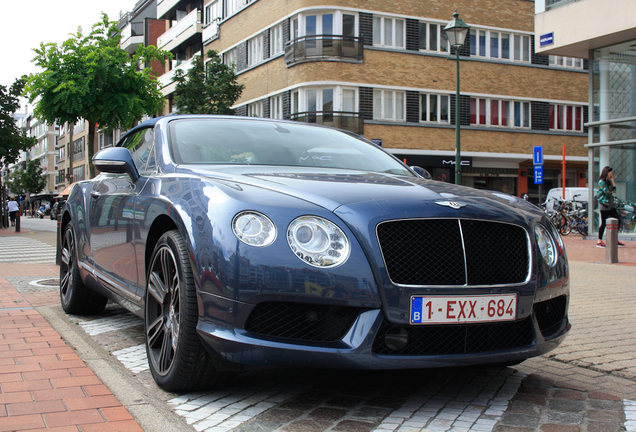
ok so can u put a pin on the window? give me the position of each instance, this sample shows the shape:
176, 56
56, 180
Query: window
434, 108
234, 6
255, 50
499, 113
389, 105
566, 62
276, 107
78, 149
212, 11
433, 38
566, 118
497, 45
276, 40
142, 149
388, 32
229, 58
255, 109
78, 174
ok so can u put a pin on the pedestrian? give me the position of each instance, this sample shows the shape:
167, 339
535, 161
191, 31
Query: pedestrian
13, 208
605, 197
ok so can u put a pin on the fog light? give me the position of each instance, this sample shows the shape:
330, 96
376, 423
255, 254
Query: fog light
396, 339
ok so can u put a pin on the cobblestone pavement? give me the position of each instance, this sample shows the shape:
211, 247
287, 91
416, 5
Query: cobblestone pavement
586, 384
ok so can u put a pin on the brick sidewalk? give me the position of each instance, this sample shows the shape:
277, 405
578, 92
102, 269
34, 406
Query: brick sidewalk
44, 384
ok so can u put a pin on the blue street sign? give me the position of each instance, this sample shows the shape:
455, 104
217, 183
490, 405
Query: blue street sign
538, 174
546, 39
537, 159
377, 141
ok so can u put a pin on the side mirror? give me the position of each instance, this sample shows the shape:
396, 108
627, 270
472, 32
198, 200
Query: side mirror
422, 172
116, 160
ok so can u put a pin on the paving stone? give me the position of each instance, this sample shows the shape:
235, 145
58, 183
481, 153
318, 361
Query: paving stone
593, 426
354, 426
306, 426
327, 414
559, 428
606, 416
520, 420
569, 394
564, 405
603, 396
372, 414
565, 417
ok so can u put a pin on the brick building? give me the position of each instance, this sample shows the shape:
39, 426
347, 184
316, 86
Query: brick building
385, 70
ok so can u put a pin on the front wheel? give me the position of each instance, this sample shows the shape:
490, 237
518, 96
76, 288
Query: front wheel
178, 361
74, 296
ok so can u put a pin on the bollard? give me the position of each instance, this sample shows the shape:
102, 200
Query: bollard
59, 240
17, 221
611, 249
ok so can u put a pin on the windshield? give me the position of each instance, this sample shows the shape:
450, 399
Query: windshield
256, 142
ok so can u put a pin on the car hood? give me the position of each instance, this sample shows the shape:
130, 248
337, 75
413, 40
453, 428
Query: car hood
385, 193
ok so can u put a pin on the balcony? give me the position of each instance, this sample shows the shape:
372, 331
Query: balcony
132, 35
349, 121
323, 48
184, 29
166, 80
164, 7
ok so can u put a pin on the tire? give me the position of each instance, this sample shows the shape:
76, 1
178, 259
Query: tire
74, 296
565, 227
178, 361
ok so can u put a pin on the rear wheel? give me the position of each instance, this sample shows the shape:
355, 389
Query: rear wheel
75, 297
178, 361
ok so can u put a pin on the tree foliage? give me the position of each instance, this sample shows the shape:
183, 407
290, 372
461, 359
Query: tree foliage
32, 180
91, 77
33, 177
207, 88
12, 139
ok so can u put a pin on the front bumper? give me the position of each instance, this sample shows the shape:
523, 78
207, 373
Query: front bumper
371, 342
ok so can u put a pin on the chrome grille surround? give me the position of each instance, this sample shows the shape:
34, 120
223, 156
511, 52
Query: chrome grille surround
455, 252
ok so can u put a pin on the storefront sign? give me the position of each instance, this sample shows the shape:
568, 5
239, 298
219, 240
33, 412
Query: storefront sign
546, 39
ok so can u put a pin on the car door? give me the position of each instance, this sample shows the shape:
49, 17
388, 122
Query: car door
113, 230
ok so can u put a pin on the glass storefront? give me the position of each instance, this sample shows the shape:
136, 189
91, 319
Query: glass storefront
613, 128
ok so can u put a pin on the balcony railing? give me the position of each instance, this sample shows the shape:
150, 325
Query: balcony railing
191, 23
551, 4
323, 47
350, 121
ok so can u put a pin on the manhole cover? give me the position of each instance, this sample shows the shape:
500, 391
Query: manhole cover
55, 282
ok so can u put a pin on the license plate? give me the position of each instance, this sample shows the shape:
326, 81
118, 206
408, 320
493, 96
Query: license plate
463, 309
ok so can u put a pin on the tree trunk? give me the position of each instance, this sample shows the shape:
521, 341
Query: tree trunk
69, 155
91, 148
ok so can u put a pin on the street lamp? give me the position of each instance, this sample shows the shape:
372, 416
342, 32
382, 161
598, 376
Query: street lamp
456, 31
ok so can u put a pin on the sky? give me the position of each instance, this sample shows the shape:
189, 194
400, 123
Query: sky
24, 25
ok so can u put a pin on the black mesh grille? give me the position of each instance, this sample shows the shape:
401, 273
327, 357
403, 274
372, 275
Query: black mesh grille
550, 312
452, 338
299, 321
431, 252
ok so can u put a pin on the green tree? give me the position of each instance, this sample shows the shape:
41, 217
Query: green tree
15, 183
92, 78
33, 178
207, 88
12, 138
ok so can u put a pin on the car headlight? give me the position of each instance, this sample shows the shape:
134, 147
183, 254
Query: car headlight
546, 245
254, 229
318, 241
